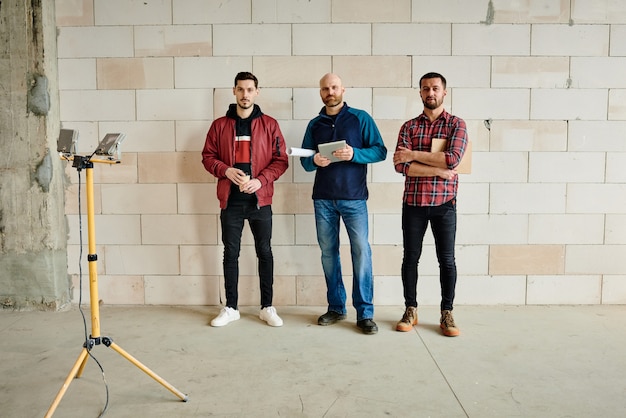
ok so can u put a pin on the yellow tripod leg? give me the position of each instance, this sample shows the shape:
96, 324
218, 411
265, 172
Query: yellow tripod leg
147, 371
80, 363
82, 367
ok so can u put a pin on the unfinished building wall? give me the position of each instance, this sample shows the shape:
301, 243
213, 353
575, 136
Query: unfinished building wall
33, 230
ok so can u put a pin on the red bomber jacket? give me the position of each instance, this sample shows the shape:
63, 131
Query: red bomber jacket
268, 155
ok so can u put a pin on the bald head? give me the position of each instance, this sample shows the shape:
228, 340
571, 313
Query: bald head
331, 92
330, 78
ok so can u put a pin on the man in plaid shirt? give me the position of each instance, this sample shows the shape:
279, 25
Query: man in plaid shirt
430, 189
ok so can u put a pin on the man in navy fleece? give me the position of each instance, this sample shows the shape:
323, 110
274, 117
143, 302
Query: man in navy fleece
340, 192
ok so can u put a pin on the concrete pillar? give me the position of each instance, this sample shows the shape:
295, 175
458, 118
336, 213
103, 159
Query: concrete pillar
33, 230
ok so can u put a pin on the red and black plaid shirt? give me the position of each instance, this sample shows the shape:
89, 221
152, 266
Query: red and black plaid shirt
417, 134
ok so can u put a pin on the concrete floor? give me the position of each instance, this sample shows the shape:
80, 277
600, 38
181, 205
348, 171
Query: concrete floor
527, 361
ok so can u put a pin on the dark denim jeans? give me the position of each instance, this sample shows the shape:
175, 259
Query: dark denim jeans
328, 214
260, 221
442, 220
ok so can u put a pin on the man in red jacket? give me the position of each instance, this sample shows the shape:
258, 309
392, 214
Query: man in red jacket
245, 151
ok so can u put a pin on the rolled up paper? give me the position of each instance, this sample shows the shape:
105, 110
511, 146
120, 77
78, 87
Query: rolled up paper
300, 152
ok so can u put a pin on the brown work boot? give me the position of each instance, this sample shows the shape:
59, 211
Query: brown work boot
408, 319
447, 324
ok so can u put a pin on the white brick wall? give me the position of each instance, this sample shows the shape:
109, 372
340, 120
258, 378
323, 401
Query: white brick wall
97, 105
477, 39
531, 72
618, 40
581, 289
142, 136
573, 41
520, 135
332, 39
573, 167
569, 104
507, 198
542, 216
617, 104
589, 11
77, 74
491, 103
371, 11
208, 11
251, 39
453, 11
583, 69
173, 41
411, 39
616, 229
95, 42
174, 104
566, 229
289, 11
107, 12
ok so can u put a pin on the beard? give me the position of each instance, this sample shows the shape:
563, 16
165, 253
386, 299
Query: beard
432, 104
332, 101
245, 105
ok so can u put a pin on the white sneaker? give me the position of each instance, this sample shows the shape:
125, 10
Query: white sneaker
270, 316
226, 316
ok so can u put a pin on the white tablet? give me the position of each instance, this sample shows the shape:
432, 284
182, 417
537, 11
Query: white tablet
327, 149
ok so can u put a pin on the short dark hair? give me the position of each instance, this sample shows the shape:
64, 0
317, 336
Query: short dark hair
245, 75
434, 75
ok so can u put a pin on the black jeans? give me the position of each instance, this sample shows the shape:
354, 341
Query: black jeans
260, 221
442, 220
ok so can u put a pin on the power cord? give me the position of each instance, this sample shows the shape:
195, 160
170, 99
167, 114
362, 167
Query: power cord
88, 344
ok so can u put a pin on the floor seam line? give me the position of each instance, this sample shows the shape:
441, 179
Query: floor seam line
443, 375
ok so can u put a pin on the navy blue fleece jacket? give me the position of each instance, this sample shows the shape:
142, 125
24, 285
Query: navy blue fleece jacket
344, 180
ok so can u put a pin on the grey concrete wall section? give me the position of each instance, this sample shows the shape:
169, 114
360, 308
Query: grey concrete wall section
31, 285
33, 230
38, 97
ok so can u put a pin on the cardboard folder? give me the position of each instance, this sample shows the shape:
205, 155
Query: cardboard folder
465, 166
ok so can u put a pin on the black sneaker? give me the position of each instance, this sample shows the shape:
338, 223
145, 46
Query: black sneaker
330, 318
368, 326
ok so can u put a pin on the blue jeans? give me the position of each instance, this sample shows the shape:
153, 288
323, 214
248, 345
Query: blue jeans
354, 215
260, 221
443, 224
